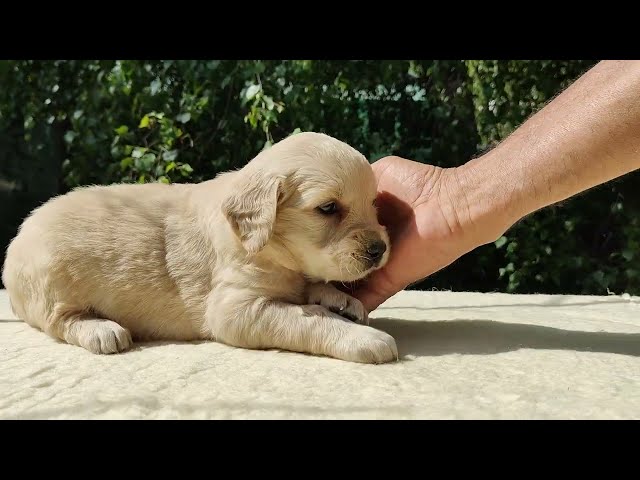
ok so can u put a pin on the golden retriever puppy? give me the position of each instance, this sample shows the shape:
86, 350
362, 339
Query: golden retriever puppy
245, 259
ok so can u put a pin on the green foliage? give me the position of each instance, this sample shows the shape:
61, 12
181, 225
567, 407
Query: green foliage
70, 123
585, 245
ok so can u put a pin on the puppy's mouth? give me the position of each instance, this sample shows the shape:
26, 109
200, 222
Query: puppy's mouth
358, 266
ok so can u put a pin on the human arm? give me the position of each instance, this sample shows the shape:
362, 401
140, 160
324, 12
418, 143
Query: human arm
586, 136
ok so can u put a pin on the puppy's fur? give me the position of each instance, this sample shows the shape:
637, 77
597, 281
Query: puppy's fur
244, 259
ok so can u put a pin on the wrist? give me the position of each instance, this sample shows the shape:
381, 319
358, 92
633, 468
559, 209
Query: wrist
489, 199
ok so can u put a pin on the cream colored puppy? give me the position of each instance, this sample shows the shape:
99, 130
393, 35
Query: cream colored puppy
244, 259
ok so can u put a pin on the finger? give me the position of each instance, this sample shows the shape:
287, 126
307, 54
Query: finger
375, 291
370, 300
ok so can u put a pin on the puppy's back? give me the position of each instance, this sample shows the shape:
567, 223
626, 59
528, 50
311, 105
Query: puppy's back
101, 248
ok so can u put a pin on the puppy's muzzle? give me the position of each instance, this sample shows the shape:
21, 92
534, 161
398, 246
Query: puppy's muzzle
375, 251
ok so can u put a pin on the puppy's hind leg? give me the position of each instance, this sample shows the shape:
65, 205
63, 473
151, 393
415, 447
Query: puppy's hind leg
98, 335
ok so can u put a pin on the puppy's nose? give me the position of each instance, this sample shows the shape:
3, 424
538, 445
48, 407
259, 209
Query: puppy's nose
375, 250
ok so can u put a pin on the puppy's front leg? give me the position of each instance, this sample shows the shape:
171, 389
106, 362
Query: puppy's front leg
332, 299
267, 324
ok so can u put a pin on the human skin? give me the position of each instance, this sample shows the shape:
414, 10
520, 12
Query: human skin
586, 136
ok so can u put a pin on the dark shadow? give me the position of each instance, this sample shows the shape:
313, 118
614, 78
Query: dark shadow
486, 337
558, 301
472, 337
139, 345
549, 303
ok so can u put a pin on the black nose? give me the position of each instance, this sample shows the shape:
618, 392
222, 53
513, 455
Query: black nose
376, 249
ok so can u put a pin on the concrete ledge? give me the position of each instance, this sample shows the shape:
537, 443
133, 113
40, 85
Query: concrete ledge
464, 356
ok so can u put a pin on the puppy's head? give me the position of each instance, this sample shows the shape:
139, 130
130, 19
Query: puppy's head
310, 198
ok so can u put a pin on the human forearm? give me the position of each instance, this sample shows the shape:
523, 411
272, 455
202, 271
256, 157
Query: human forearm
588, 135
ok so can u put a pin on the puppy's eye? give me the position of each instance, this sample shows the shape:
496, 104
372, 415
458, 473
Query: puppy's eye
328, 208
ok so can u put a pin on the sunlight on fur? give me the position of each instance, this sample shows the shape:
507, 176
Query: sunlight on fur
246, 259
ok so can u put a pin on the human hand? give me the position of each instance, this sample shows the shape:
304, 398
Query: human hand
425, 211
435, 215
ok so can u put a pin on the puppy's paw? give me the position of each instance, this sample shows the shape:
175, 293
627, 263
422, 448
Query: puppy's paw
104, 337
367, 345
338, 302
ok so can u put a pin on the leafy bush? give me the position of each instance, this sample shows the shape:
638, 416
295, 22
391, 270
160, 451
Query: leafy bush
69, 123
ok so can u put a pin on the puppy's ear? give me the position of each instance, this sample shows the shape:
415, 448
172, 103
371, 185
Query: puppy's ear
251, 210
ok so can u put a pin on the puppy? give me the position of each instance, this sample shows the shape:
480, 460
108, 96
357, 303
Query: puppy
245, 259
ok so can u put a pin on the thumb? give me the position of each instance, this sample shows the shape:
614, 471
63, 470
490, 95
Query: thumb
376, 290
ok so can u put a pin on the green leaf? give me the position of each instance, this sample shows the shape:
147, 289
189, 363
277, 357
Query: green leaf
122, 130
145, 162
252, 91
184, 117
144, 123
155, 86
269, 102
500, 242
138, 152
163, 179
148, 158
170, 166
126, 162
170, 155
70, 136
186, 169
